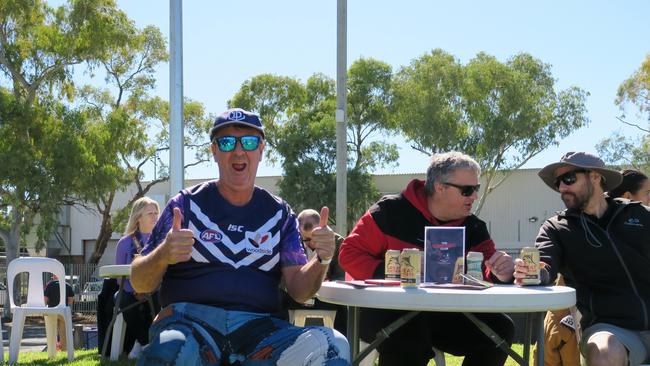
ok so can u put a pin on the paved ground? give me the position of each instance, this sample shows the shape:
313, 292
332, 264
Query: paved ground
33, 340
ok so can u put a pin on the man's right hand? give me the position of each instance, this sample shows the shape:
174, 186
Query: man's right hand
521, 270
179, 242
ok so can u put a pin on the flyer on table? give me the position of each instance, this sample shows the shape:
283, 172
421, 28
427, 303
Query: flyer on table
444, 254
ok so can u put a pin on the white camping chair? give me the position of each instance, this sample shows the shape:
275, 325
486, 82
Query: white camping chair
35, 305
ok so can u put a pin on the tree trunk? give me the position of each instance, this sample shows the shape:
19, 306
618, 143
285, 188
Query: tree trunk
104, 236
12, 246
105, 231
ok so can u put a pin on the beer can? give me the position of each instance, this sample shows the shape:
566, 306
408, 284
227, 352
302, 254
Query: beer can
474, 261
530, 256
410, 267
392, 268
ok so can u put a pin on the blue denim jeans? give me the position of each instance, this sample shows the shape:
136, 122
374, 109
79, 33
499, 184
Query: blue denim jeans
193, 334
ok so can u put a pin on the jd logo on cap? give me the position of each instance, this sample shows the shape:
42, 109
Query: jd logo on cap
236, 116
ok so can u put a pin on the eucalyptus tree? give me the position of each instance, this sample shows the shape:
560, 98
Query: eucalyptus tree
502, 114
624, 150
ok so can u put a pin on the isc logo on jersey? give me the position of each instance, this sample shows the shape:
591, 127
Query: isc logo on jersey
256, 240
211, 236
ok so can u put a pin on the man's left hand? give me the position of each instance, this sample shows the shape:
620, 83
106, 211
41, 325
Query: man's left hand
322, 238
501, 265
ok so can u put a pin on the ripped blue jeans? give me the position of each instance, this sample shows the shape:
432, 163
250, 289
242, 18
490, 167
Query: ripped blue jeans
200, 335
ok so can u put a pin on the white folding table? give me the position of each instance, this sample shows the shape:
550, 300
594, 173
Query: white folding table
532, 300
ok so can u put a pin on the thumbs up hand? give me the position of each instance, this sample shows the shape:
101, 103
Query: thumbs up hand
322, 238
179, 241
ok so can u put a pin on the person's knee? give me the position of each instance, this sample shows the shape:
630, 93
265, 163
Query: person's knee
340, 343
176, 346
317, 346
603, 349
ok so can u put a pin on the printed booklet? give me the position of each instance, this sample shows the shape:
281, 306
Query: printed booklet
444, 254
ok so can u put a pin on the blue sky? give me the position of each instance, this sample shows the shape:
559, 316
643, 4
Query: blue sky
592, 44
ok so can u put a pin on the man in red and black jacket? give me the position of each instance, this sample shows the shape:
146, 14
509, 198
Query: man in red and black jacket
397, 222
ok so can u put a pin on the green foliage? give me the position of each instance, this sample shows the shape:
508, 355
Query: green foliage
368, 98
42, 148
40, 44
502, 114
426, 103
636, 89
130, 128
626, 151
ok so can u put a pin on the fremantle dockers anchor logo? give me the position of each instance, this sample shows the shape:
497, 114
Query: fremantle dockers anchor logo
236, 116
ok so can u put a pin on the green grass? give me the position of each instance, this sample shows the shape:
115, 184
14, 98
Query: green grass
91, 357
451, 360
81, 358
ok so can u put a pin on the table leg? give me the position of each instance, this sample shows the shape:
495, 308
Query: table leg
528, 323
353, 331
384, 333
496, 339
540, 339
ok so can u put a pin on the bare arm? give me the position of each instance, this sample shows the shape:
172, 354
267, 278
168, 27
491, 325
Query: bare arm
147, 271
303, 281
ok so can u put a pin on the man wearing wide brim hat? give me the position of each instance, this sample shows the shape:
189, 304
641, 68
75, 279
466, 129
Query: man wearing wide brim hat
602, 248
581, 160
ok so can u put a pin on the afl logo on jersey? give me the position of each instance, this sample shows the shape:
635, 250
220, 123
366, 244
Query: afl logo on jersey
210, 235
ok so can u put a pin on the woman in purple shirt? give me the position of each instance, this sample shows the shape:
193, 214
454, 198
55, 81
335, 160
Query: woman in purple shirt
144, 215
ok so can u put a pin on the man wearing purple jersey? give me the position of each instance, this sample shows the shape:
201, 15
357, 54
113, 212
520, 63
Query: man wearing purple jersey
218, 254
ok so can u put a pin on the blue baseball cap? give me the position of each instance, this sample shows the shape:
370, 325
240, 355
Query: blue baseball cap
237, 116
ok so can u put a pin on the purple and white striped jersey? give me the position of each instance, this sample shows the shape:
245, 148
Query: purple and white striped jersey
238, 250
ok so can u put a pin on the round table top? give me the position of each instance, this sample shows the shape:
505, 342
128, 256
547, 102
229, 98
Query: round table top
499, 298
115, 270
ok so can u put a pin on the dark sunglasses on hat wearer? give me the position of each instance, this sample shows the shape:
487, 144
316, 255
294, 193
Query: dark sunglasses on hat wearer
569, 177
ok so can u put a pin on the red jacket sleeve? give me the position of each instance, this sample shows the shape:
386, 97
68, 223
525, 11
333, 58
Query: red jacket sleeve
363, 250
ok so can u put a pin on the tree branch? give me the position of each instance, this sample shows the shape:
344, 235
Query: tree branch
633, 125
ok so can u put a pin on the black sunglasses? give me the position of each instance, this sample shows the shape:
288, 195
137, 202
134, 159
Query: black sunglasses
465, 191
569, 177
228, 143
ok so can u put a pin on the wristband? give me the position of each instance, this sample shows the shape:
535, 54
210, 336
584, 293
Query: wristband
323, 261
